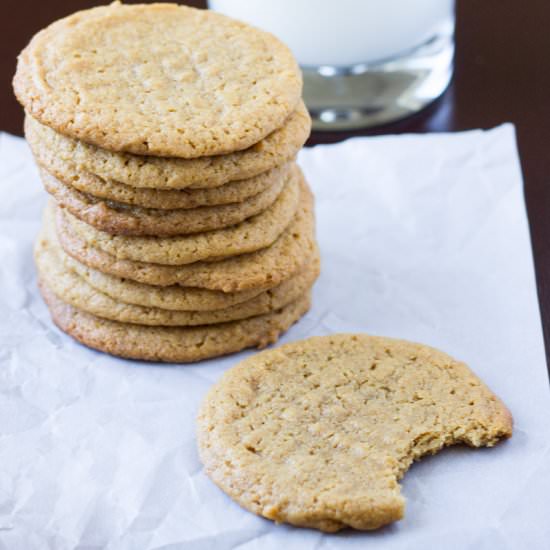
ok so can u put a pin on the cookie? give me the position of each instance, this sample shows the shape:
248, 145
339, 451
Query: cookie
172, 344
172, 297
158, 79
250, 235
259, 270
68, 286
125, 290
54, 151
317, 433
233, 192
120, 219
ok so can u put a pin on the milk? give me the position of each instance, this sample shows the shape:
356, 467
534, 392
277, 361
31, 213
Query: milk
344, 32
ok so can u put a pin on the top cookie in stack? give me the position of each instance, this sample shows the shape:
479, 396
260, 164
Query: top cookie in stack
181, 228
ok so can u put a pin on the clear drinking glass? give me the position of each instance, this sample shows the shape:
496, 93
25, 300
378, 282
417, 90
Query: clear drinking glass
365, 62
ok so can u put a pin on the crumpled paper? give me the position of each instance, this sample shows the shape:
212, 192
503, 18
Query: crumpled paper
422, 237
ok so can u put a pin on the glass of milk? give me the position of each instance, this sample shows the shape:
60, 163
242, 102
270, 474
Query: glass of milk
365, 62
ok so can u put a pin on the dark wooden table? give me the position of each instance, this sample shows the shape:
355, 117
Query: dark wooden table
501, 75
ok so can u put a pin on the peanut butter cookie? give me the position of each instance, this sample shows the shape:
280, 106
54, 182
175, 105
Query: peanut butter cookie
158, 79
318, 432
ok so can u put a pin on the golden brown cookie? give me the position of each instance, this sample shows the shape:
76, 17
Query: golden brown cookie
172, 344
62, 156
121, 219
174, 297
69, 286
161, 199
318, 432
158, 79
250, 235
259, 270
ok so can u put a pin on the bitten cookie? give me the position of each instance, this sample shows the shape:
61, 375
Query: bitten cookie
317, 433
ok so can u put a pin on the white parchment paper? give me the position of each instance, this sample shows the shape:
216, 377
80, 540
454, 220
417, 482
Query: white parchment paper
422, 237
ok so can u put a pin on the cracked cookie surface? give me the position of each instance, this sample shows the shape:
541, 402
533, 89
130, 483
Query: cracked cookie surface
318, 432
158, 79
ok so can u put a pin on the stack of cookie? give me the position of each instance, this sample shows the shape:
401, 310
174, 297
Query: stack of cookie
180, 226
